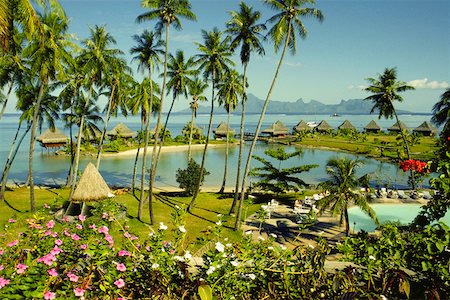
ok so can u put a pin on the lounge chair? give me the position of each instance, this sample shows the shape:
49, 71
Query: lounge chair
426, 195
402, 195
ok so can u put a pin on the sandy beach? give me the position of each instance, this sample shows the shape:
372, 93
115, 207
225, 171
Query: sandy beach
176, 148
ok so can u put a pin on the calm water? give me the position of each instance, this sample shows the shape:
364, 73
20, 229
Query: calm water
51, 169
404, 213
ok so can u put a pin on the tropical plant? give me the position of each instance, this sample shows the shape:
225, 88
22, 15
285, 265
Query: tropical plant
196, 89
245, 31
166, 13
214, 61
343, 190
385, 91
441, 117
189, 178
287, 26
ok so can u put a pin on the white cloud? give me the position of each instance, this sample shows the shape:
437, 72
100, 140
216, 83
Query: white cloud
426, 84
293, 64
357, 87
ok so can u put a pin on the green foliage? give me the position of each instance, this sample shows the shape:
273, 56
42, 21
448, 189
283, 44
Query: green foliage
189, 178
279, 180
113, 146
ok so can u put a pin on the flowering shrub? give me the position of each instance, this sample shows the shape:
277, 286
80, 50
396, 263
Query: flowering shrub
417, 166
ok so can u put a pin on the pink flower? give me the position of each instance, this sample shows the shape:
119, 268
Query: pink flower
21, 268
1, 267
56, 250
58, 242
81, 218
120, 298
49, 295
47, 232
50, 224
47, 259
46, 206
13, 243
104, 215
66, 232
124, 253
109, 239
148, 248
52, 272
72, 277
127, 234
119, 283
92, 226
121, 267
66, 219
1, 251
3, 282
54, 234
83, 247
75, 237
79, 292
103, 229
12, 221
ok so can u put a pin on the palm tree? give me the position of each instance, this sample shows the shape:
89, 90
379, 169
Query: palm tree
230, 89
214, 61
148, 51
167, 13
441, 114
48, 54
283, 33
244, 30
385, 91
196, 89
343, 190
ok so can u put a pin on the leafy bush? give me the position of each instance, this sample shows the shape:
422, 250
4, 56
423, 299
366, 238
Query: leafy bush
188, 178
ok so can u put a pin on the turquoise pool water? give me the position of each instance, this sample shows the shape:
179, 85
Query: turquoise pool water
404, 213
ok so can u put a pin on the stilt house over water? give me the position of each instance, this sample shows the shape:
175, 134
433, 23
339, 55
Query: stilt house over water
277, 129
347, 126
121, 130
426, 129
52, 138
302, 126
222, 130
397, 128
324, 127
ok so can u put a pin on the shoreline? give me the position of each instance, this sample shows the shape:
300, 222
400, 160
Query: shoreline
173, 148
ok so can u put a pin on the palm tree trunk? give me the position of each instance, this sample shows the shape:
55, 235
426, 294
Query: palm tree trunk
72, 156
258, 127
102, 137
157, 129
136, 158
202, 166
11, 156
32, 143
164, 135
190, 136
241, 144
225, 171
408, 154
8, 94
347, 224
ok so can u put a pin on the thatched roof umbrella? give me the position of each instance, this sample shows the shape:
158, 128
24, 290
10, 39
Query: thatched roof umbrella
302, 126
121, 130
276, 129
91, 186
426, 129
324, 126
396, 128
222, 130
372, 127
52, 138
346, 125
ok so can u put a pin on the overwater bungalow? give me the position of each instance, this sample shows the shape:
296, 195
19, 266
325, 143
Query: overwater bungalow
222, 130
324, 127
347, 126
277, 129
52, 138
302, 126
426, 129
372, 127
396, 128
121, 130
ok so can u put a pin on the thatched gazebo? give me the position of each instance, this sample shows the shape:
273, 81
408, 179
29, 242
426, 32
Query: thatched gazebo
52, 138
121, 130
324, 127
301, 127
372, 127
222, 130
397, 128
347, 126
277, 129
426, 129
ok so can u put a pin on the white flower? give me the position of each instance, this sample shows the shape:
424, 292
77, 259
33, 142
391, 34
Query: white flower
251, 276
229, 245
273, 235
261, 238
182, 229
372, 257
218, 223
283, 247
187, 255
310, 246
248, 232
155, 266
220, 247
162, 226
177, 207
383, 297
270, 248
179, 258
234, 263
219, 215
210, 270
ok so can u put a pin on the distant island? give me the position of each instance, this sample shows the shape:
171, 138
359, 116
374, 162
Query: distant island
254, 106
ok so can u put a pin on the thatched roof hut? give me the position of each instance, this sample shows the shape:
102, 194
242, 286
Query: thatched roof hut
276, 129
91, 186
346, 125
426, 129
372, 127
52, 138
222, 130
121, 130
396, 127
302, 126
324, 127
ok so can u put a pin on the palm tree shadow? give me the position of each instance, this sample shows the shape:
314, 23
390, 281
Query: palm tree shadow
10, 206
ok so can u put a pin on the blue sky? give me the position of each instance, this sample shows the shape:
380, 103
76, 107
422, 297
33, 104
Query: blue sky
358, 39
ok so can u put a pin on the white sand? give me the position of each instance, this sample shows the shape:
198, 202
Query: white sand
133, 152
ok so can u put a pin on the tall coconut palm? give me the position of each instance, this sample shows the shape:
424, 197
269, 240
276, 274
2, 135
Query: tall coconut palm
385, 91
148, 51
287, 25
230, 90
214, 60
166, 13
343, 188
48, 53
245, 31
196, 89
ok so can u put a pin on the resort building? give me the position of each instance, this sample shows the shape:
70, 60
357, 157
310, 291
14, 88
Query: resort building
372, 127
277, 129
121, 130
346, 126
222, 130
426, 129
396, 127
52, 138
302, 126
324, 127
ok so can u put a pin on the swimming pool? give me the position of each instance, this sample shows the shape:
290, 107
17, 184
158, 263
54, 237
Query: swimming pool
404, 213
